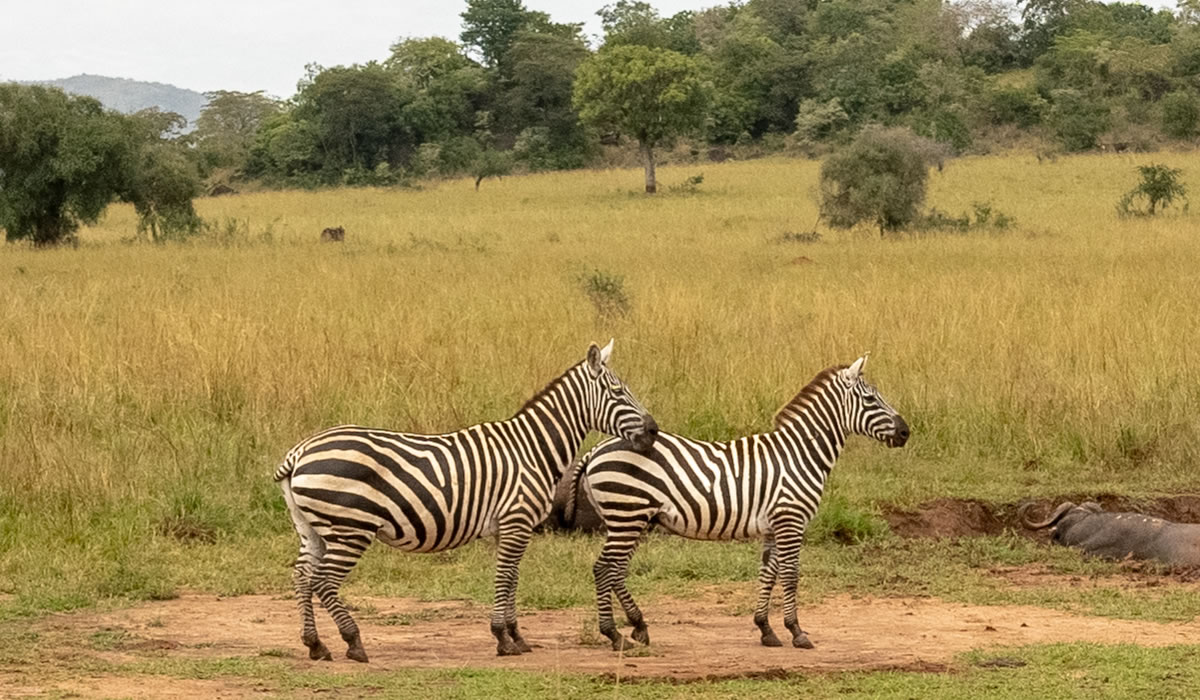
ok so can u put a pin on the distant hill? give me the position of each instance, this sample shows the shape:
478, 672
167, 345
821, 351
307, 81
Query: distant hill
125, 95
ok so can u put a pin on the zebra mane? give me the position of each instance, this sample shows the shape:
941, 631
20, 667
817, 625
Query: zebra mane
811, 389
547, 389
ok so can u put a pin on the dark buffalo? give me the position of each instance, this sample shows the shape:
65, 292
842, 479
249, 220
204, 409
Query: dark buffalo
1120, 535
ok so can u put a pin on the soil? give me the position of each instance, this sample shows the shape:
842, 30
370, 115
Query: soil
692, 639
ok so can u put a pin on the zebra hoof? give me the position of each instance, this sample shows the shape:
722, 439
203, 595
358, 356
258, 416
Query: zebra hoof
623, 644
800, 641
641, 635
357, 654
319, 652
507, 648
522, 645
770, 640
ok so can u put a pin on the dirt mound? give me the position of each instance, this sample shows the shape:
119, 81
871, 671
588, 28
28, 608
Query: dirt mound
950, 517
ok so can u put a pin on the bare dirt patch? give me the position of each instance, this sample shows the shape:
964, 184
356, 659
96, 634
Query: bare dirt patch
851, 633
952, 517
1144, 578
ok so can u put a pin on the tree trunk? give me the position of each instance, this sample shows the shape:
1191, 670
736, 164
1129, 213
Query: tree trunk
648, 161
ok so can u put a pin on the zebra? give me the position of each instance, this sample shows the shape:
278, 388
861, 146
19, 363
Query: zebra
764, 486
349, 485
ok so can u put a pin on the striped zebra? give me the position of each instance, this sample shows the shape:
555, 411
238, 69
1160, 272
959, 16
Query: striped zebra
349, 485
761, 486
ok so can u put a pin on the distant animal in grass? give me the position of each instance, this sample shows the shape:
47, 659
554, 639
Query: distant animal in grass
1120, 535
333, 235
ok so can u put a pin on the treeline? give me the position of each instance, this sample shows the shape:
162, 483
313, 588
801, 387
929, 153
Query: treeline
519, 90
803, 72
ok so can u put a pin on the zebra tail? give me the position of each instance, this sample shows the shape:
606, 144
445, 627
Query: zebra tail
566, 516
288, 465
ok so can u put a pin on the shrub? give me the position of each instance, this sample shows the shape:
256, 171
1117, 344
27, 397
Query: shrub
606, 292
987, 218
1159, 188
1180, 114
1078, 120
688, 186
1021, 107
880, 177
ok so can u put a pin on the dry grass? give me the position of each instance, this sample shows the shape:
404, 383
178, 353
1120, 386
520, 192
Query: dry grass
148, 390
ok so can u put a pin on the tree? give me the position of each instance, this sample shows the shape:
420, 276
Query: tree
62, 160
447, 88
491, 26
355, 114
1160, 186
537, 95
652, 95
491, 163
162, 177
880, 177
226, 127
634, 22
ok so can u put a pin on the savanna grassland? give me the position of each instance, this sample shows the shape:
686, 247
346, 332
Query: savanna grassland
147, 392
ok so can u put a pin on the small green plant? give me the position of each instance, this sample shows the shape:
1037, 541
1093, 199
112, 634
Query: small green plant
688, 186
108, 638
839, 521
275, 652
986, 218
606, 292
1159, 188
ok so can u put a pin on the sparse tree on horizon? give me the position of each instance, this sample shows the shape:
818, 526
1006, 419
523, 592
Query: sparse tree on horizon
650, 95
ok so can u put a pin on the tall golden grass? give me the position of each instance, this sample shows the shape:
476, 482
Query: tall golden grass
156, 386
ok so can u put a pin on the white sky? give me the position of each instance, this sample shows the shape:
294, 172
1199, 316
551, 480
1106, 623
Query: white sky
237, 45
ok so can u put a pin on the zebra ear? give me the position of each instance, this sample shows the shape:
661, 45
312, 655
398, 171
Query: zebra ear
594, 359
854, 371
606, 351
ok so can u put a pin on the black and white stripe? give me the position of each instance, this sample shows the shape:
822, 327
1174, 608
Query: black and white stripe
349, 485
764, 486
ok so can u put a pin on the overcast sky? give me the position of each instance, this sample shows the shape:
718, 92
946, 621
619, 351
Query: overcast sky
236, 45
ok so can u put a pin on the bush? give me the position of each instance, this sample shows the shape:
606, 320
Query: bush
1159, 188
606, 292
1006, 105
1180, 114
987, 218
944, 126
1078, 120
880, 177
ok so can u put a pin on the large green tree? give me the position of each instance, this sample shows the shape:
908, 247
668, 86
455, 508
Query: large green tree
226, 127
651, 95
62, 160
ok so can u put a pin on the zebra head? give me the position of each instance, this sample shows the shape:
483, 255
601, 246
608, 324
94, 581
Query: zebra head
865, 412
613, 408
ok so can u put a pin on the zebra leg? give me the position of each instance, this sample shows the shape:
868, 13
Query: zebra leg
610, 570
514, 538
767, 574
633, 613
312, 549
341, 554
789, 572
302, 583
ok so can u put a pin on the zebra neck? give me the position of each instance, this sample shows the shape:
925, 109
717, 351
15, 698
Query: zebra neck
552, 425
818, 437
